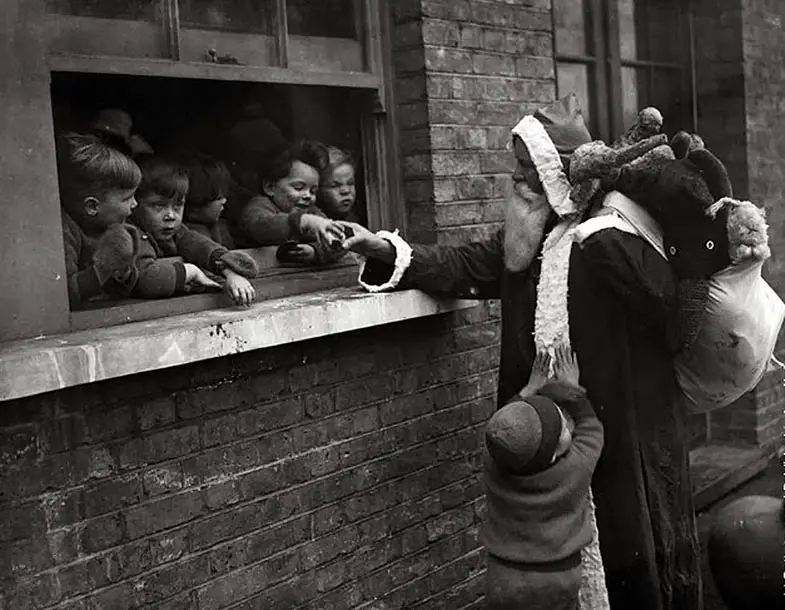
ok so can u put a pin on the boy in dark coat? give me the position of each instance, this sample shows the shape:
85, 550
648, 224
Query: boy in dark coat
538, 471
161, 197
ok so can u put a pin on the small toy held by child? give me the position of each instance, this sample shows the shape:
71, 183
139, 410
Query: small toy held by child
538, 470
161, 197
337, 189
210, 185
287, 211
97, 186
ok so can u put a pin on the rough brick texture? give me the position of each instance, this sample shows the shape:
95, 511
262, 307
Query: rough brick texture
469, 70
764, 79
338, 473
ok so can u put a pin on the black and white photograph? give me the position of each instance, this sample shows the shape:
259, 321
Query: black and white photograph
392, 305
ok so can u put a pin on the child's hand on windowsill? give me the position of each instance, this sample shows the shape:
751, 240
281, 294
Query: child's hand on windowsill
238, 288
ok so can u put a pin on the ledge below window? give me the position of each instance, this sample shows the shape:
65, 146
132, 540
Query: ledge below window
35, 366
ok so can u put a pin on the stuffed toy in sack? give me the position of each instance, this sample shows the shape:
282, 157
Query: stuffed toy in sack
728, 317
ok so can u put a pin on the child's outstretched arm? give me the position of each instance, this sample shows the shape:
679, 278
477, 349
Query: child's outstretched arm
566, 390
539, 375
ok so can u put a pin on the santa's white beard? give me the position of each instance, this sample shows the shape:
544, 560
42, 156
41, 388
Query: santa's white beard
525, 217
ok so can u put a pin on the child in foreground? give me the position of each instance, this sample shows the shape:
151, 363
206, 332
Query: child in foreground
97, 186
538, 470
161, 198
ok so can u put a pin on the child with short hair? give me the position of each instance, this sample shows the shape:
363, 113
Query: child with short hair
210, 185
286, 211
337, 189
538, 470
161, 198
97, 186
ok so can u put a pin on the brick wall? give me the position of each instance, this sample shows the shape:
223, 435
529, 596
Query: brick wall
764, 78
468, 70
338, 473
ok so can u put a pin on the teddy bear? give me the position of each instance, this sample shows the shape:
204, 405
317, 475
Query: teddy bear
728, 317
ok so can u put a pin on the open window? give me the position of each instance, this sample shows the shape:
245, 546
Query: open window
186, 70
619, 56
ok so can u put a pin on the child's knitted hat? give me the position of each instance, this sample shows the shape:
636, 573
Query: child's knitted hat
523, 435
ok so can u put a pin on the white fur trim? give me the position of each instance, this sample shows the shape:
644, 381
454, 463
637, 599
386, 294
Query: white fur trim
633, 220
403, 258
551, 328
551, 319
636, 215
548, 163
600, 223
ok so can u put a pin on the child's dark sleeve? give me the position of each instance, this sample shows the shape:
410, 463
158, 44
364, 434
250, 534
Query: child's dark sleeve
588, 437
83, 283
157, 278
199, 249
266, 225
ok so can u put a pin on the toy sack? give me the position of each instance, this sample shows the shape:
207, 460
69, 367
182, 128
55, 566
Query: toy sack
736, 341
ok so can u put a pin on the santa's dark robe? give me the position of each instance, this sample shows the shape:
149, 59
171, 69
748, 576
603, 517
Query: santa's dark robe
621, 296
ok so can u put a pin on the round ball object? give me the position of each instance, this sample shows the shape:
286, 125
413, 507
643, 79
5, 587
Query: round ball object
746, 549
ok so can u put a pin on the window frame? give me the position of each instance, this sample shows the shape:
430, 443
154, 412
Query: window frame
39, 308
605, 80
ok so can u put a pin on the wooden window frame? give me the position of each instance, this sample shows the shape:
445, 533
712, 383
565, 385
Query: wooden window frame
51, 313
605, 82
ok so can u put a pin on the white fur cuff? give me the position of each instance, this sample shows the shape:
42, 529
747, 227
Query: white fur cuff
403, 258
548, 163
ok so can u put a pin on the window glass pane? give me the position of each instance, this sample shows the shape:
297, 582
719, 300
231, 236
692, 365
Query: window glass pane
668, 95
666, 30
126, 28
576, 78
256, 16
136, 10
228, 31
325, 35
633, 93
650, 30
571, 27
630, 34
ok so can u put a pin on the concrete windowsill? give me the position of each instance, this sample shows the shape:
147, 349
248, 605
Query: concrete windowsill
35, 366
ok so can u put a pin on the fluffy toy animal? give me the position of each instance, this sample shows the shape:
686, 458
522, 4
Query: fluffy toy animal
728, 317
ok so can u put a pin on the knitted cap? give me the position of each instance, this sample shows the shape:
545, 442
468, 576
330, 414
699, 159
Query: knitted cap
522, 436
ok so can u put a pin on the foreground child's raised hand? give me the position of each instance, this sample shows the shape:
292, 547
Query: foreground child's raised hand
238, 288
565, 365
565, 385
539, 375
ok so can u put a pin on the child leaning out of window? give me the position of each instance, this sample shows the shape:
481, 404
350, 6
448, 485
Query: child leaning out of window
159, 214
97, 185
286, 212
337, 190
